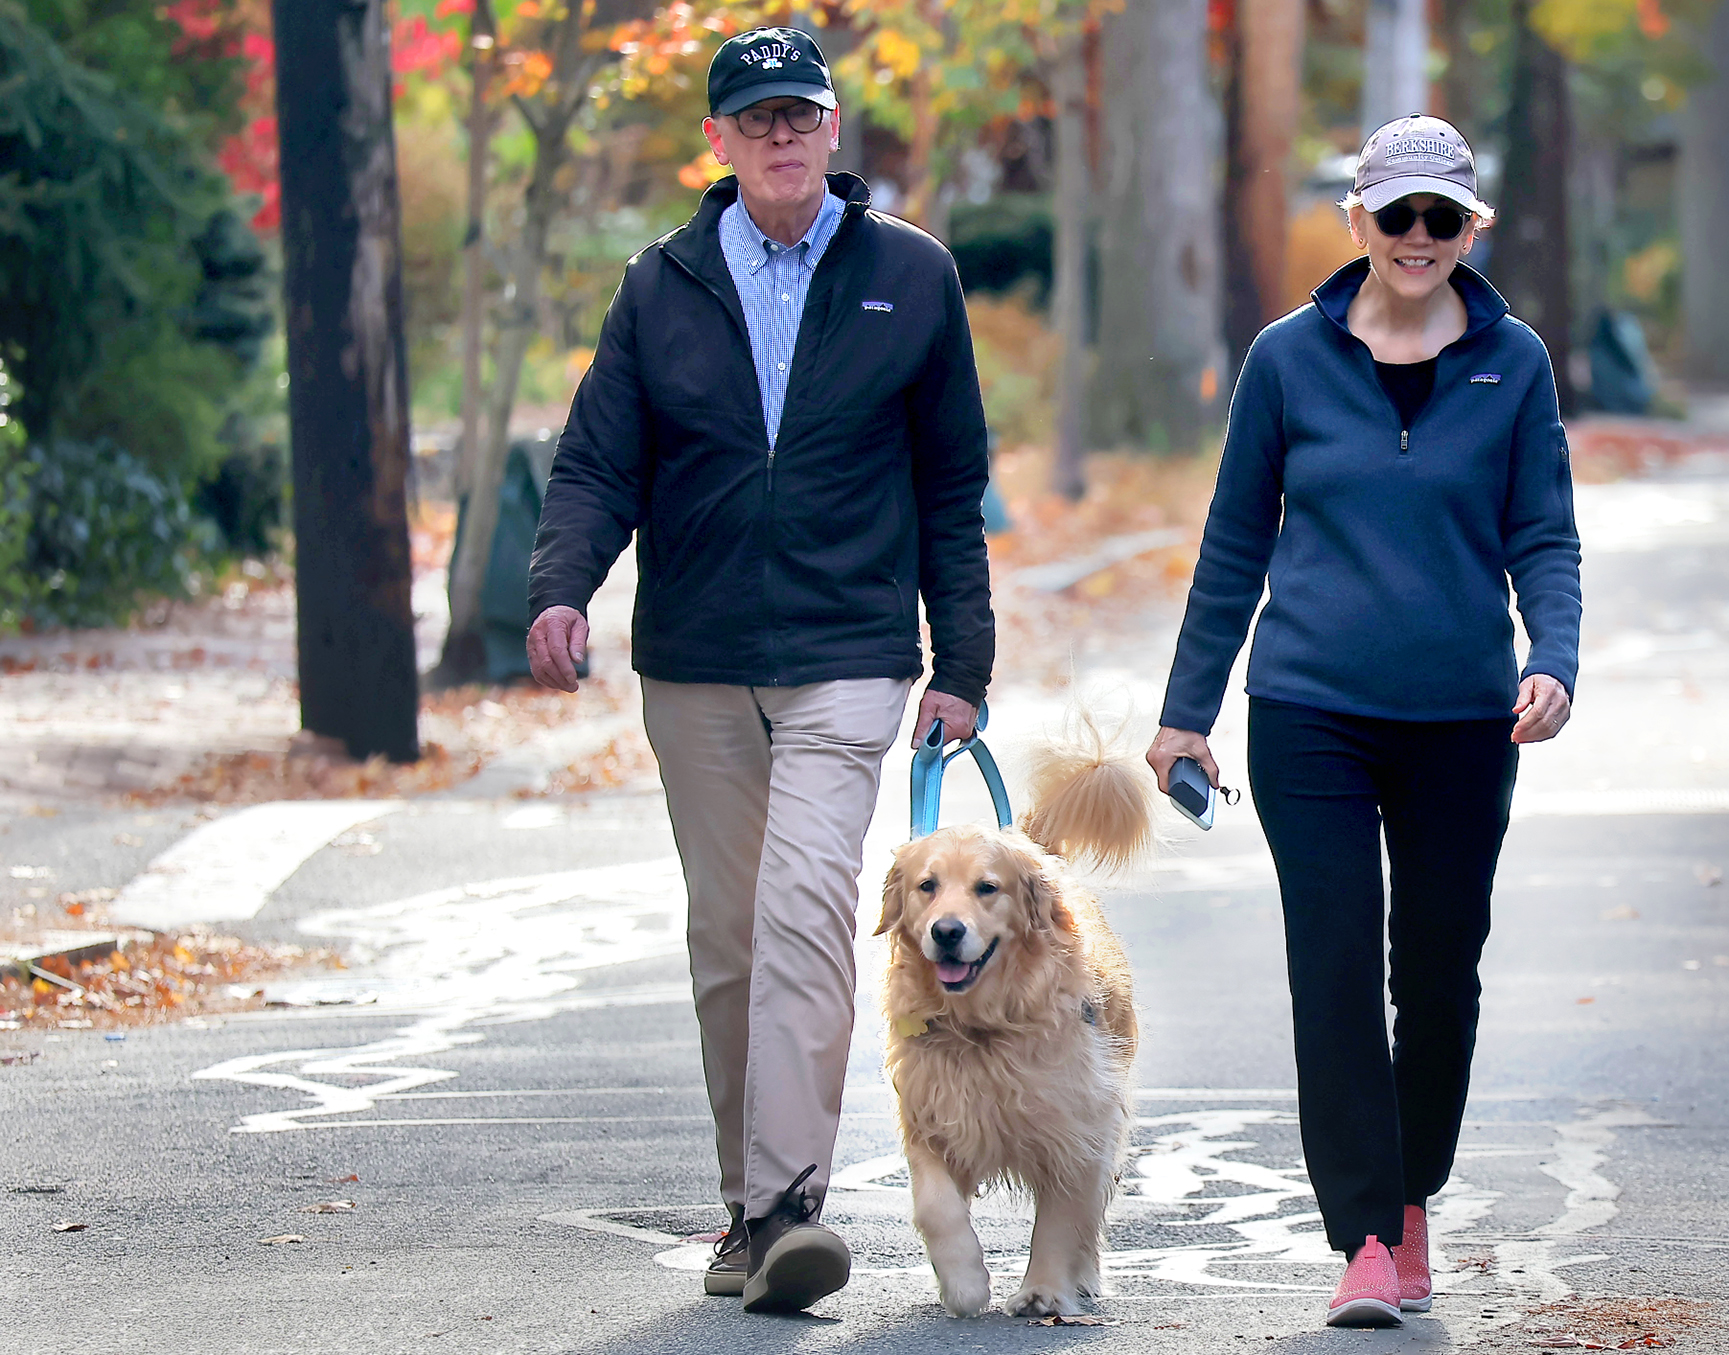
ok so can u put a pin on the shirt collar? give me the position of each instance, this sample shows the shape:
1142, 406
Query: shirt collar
760, 249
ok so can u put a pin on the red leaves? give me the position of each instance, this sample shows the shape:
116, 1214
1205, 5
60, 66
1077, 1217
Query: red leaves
417, 49
249, 159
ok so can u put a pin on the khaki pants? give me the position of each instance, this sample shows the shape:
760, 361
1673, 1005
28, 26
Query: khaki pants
770, 790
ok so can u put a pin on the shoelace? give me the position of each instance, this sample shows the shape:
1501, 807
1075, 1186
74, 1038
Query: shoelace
803, 1205
736, 1239
793, 1201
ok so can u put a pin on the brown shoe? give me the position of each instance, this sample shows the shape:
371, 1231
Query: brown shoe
794, 1260
730, 1268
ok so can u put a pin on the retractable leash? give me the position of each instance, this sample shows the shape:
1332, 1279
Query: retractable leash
928, 765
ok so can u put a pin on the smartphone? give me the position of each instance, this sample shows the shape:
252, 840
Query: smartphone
1191, 792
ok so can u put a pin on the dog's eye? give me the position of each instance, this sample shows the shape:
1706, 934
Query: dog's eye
984, 889
927, 886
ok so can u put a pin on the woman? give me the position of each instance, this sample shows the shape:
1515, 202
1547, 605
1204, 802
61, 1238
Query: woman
1394, 454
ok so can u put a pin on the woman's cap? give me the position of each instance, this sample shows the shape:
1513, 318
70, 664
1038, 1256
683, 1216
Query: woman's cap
768, 63
1416, 154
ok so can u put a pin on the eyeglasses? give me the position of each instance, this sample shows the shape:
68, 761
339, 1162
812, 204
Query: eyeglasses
801, 117
1444, 222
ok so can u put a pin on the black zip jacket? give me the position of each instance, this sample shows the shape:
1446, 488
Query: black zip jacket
805, 563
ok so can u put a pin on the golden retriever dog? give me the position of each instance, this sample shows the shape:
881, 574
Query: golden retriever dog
1012, 1027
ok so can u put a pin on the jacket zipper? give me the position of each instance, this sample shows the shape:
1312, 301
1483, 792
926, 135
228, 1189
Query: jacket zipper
768, 482
1404, 441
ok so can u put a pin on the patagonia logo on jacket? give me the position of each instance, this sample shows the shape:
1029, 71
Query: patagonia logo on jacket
884, 306
1486, 379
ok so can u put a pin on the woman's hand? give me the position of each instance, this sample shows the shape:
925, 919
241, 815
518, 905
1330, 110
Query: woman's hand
1171, 744
1542, 709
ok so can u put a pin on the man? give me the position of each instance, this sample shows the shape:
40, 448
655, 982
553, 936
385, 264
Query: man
783, 407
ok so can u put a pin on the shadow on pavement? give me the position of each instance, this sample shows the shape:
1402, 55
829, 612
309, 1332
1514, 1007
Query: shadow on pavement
718, 1324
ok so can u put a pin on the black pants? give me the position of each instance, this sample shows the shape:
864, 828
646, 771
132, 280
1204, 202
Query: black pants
1380, 1132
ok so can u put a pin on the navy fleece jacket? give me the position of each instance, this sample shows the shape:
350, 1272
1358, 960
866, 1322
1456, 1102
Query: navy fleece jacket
1387, 549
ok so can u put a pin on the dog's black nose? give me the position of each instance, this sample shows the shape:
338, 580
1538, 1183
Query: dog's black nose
947, 932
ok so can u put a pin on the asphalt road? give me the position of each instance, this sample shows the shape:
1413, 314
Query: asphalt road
509, 1090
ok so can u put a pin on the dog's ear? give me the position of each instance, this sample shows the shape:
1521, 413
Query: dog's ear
1042, 888
894, 895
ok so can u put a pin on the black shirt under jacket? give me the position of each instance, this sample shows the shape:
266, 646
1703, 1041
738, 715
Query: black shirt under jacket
805, 563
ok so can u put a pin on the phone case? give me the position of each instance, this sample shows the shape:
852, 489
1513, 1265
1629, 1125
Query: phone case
1192, 793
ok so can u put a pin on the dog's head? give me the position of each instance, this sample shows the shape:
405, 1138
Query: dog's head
973, 902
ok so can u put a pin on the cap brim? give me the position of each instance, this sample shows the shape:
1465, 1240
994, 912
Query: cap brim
785, 89
1377, 196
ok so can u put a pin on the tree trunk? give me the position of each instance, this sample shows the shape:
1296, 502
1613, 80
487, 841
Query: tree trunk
348, 396
921, 150
1265, 105
1704, 209
1158, 338
549, 119
481, 121
1395, 57
464, 657
1069, 291
1458, 97
1532, 259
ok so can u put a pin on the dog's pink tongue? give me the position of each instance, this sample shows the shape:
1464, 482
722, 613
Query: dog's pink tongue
952, 971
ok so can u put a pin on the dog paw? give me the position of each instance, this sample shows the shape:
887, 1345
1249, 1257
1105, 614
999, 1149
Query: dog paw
1041, 1300
966, 1295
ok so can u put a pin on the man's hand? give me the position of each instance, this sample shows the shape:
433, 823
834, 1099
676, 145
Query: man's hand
1171, 744
957, 717
557, 641
1542, 709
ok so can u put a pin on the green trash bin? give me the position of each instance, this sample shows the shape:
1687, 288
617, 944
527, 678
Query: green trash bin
504, 595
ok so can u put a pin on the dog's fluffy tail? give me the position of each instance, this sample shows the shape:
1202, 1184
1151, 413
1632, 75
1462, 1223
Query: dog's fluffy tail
1089, 802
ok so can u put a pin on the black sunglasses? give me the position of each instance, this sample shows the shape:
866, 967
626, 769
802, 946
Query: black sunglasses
1444, 222
801, 117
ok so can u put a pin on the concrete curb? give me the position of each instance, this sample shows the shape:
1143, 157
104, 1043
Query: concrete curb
19, 959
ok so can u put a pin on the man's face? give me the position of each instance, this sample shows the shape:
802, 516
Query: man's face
784, 167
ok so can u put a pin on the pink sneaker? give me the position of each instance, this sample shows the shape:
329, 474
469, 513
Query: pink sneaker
1368, 1296
1411, 1259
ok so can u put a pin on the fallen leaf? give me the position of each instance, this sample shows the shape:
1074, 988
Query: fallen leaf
282, 1239
330, 1206
1079, 1320
341, 1180
1649, 1339
1582, 1001
65, 1227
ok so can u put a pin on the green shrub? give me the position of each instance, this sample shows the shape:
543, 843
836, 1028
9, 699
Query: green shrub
18, 587
104, 529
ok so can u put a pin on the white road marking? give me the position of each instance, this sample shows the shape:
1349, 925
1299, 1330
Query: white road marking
1586, 803
225, 870
1169, 1175
534, 816
472, 956
431, 1035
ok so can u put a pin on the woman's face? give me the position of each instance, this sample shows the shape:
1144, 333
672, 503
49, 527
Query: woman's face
1414, 265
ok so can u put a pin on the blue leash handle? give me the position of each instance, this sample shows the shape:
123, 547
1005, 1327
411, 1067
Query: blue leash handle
929, 762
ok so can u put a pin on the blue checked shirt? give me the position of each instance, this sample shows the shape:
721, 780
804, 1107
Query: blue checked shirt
773, 281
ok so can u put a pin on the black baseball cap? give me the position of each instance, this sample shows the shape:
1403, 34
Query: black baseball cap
768, 63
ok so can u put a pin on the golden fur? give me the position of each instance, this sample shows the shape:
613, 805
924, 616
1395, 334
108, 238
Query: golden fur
1022, 1079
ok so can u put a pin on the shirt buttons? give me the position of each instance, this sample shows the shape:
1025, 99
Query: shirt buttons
781, 365
785, 297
